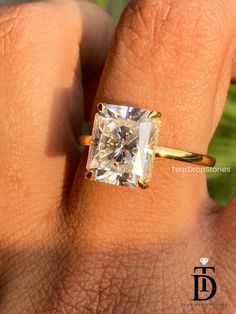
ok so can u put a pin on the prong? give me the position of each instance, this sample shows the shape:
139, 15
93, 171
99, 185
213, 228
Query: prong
154, 115
143, 185
101, 107
88, 175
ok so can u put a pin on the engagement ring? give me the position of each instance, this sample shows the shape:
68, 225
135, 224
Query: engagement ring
124, 144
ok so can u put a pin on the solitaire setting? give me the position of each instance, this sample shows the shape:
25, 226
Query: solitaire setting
122, 149
124, 144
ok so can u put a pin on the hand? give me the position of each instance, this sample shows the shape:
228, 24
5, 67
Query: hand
73, 246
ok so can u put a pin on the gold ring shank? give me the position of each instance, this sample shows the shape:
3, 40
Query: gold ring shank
193, 158
170, 153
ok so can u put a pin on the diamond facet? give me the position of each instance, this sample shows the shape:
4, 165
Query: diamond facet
123, 143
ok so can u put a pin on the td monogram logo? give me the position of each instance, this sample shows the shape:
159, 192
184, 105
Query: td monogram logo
205, 286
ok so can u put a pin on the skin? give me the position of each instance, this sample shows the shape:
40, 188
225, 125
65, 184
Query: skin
69, 245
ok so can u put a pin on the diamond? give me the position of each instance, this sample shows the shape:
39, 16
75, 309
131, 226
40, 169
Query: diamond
123, 144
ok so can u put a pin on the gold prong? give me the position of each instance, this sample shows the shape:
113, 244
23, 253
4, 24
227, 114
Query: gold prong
154, 115
101, 107
88, 175
142, 184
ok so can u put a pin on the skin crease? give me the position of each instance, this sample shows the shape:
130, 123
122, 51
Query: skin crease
73, 246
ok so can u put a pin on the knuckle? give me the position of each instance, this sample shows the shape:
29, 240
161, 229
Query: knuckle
27, 26
177, 26
15, 23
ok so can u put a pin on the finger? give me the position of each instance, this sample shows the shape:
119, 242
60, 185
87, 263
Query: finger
225, 228
42, 105
97, 31
233, 76
169, 57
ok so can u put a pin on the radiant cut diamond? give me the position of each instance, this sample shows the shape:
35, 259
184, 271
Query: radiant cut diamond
123, 143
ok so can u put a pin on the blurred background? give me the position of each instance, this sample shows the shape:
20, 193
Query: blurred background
222, 186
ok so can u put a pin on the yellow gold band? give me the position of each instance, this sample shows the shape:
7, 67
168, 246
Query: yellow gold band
165, 152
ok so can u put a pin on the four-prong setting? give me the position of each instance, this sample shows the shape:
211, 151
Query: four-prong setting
123, 144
